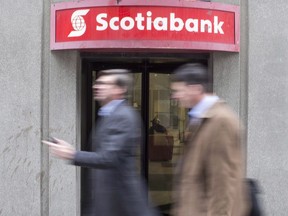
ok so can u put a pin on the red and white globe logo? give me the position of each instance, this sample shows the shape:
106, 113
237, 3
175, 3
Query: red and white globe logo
78, 23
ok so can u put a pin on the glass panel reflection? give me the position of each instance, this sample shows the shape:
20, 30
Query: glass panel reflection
165, 139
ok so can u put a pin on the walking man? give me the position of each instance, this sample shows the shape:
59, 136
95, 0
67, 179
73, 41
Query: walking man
210, 174
116, 188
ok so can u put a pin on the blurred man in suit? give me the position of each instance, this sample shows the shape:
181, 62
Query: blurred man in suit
210, 174
116, 189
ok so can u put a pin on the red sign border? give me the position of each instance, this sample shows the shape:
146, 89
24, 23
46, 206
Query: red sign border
148, 45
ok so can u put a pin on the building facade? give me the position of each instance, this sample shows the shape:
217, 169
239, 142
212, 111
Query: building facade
45, 92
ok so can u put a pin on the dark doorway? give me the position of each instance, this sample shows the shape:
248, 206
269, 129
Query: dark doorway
151, 97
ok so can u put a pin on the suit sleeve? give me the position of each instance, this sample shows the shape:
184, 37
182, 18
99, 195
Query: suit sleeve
223, 169
116, 146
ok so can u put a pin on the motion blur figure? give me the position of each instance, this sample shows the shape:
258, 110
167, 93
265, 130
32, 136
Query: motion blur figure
210, 174
116, 188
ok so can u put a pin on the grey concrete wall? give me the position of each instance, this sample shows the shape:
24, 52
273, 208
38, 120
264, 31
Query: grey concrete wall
226, 73
63, 194
227, 82
38, 98
20, 129
230, 69
268, 101
59, 119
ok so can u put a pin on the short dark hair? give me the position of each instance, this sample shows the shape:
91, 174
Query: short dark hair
123, 78
191, 73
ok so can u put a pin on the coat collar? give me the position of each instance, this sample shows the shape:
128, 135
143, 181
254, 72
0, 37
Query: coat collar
206, 103
193, 128
212, 111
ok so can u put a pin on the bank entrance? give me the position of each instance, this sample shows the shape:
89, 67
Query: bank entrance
164, 121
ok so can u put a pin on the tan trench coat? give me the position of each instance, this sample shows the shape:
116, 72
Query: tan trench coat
210, 175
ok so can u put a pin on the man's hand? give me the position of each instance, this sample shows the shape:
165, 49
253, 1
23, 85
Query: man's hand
61, 149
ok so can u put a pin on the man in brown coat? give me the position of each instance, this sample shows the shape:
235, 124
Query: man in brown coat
210, 174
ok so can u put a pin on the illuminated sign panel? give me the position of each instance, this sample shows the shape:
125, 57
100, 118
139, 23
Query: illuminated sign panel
200, 26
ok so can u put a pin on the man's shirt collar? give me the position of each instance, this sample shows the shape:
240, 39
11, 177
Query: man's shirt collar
199, 109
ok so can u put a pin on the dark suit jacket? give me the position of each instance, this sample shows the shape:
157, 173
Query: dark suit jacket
116, 189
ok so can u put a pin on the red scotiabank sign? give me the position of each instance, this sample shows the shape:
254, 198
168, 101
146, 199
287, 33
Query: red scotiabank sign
160, 25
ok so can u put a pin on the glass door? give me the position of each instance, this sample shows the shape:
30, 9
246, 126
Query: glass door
165, 138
